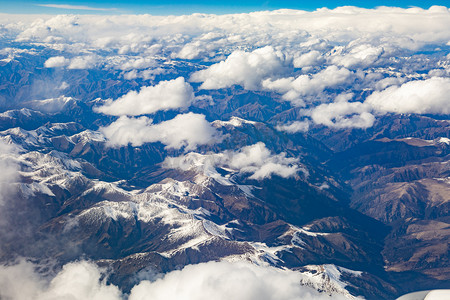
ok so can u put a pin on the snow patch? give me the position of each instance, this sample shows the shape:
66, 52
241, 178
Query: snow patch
233, 122
216, 230
31, 189
444, 140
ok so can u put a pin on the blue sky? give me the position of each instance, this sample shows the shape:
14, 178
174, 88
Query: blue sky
161, 7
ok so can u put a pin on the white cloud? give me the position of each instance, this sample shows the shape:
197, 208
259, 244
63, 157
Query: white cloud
190, 51
360, 55
294, 88
76, 281
76, 7
430, 96
165, 95
83, 62
344, 48
258, 160
138, 63
185, 130
20, 281
418, 96
311, 58
242, 68
148, 74
80, 280
255, 159
56, 62
343, 114
288, 29
296, 126
133, 74
438, 295
224, 281
388, 81
78, 62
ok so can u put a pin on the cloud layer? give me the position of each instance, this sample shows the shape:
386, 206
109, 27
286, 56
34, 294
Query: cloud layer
388, 55
392, 26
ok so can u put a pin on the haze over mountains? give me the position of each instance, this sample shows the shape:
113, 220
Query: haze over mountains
303, 153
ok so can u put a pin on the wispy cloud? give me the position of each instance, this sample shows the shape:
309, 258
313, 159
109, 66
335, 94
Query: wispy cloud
77, 7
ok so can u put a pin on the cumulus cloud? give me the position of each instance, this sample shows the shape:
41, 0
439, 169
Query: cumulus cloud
57, 62
388, 81
437, 295
224, 280
76, 281
294, 88
430, 96
144, 74
311, 58
165, 95
78, 62
356, 56
242, 68
80, 280
138, 63
83, 62
258, 160
192, 50
20, 281
255, 159
185, 130
343, 115
296, 126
